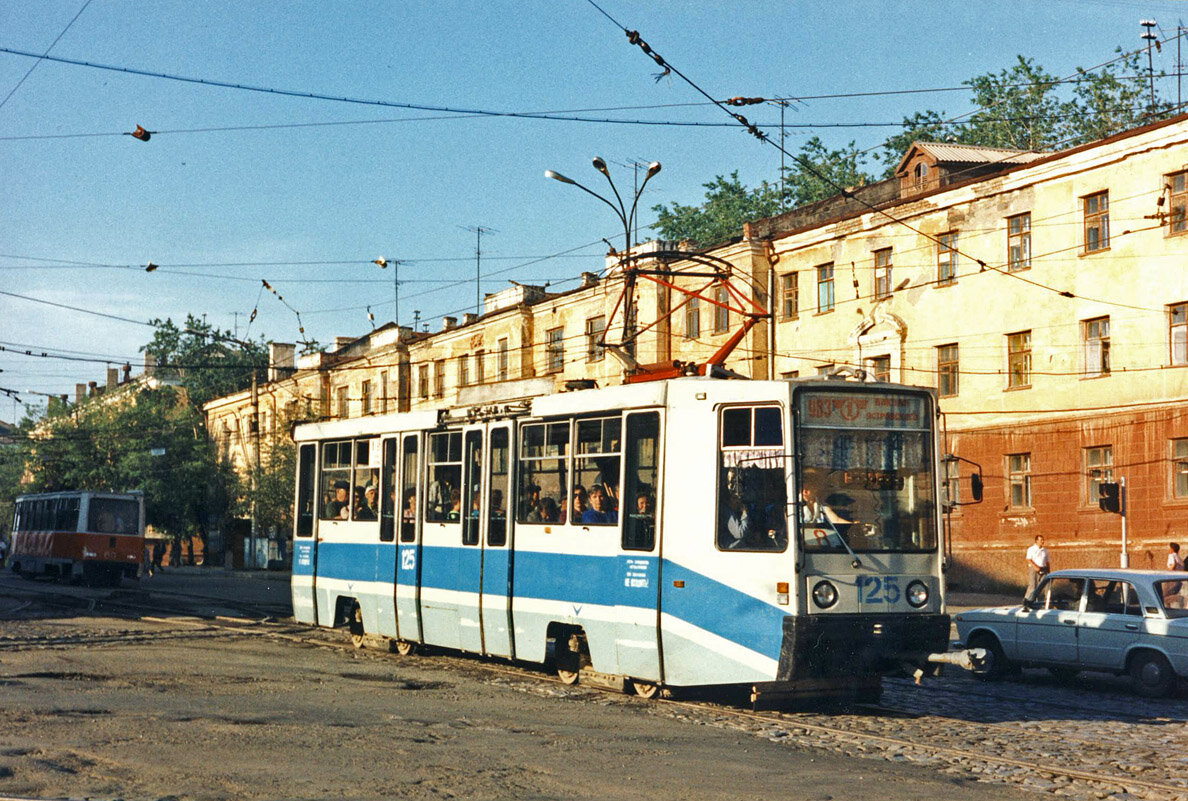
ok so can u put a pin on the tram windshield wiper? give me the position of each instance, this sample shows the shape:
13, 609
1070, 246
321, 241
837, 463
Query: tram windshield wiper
856, 563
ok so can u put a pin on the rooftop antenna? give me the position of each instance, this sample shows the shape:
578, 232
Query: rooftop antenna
478, 231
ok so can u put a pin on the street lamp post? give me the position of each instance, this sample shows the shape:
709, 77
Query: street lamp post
627, 218
383, 263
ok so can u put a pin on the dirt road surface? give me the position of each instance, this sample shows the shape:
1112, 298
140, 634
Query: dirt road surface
107, 708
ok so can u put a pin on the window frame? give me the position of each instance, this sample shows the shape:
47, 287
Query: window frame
1096, 211
1098, 461
595, 334
948, 369
1177, 189
693, 318
1018, 475
883, 267
1095, 340
826, 300
1178, 468
1021, 357
1019, 240
790, 296
502, 364
1177, 327
946, 258
555, 349
721, 310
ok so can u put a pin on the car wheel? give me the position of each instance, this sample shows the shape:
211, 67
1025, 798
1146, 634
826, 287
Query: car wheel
994, 665
1151, 675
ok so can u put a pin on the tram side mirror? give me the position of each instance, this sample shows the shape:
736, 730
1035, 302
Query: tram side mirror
976, 487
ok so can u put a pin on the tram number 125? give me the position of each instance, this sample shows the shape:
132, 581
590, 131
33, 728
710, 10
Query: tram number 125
878, 589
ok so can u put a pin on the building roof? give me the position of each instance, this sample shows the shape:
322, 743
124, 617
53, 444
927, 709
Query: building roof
948, 152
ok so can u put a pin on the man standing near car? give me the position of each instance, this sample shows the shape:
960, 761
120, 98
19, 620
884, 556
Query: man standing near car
1038, 564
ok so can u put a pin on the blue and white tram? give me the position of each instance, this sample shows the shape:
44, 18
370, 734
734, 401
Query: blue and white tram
691, 531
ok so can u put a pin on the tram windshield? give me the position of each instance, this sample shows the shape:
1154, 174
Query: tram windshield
866, 476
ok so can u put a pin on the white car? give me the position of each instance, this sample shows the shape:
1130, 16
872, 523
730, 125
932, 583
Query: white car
1114, 620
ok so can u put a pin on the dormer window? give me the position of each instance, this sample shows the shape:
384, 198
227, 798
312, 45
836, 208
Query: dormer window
921, 174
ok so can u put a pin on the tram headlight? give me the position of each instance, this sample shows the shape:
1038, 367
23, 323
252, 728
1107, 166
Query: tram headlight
824, 594
917, 594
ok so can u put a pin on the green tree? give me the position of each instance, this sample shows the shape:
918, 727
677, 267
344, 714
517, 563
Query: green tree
1018, 108
820, 173
145, 439
208, 363
728, 204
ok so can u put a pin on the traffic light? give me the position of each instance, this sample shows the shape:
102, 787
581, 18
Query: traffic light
1108, 498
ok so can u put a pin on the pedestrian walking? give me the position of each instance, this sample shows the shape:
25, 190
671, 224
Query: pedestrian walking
3, 551
1038, 564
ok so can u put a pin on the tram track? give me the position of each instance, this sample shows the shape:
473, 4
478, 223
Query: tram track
839, 731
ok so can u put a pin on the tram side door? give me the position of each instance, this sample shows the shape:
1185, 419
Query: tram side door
495, 601
305, 544
470, 558
408, 548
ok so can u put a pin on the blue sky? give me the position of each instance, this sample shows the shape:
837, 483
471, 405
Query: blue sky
307, 192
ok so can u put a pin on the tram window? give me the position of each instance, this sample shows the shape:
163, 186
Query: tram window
641, 471
544, 453
408, 492
113, 516
388, 492
336, 480
444, 503
365, 494
473, 500
18, 521
66, 514
500, 484
305, 490
752, 489
596, 469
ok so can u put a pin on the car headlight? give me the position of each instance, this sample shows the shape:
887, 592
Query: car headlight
824, 594
917, 594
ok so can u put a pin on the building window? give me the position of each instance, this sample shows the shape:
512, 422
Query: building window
825, 288
423, 380
480, 366
721, 310
340, 401
1097, 346
1097, 221
463, 371
503, 359
879, 368
366, 392
1099, 467
1179, 468
1177, 220
882, 273
1019, 242
1019, 480
554, 350
595, 337
439, 378
790, 296
946, 258
946, 370
693, 318
1019, 359
826, 369
1177, 315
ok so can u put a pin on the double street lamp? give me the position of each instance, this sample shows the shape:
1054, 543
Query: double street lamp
627, 218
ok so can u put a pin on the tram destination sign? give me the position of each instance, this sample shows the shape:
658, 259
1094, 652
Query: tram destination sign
863, 410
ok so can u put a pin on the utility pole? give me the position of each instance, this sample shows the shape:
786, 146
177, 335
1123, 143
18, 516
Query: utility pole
254, 430
1150, 38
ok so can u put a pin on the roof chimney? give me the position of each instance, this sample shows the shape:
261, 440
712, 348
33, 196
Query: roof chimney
127, 373
468, 318
448, 322
589, 280
80, 393
342, 342
150, 365
113, 377
281, 358
93, 388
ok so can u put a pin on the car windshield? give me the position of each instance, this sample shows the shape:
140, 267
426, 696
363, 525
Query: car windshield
1174, 595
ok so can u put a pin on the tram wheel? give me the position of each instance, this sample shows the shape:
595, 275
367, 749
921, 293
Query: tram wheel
567, 676
645, 689
404, 647
356, 627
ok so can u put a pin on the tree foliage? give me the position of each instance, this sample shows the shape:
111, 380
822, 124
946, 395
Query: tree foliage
208, 363
142, 439
1022, 107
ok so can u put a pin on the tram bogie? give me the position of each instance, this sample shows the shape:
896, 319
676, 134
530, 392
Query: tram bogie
688, 532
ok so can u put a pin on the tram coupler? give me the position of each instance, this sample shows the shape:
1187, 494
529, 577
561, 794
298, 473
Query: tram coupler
863, 689
966, 659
